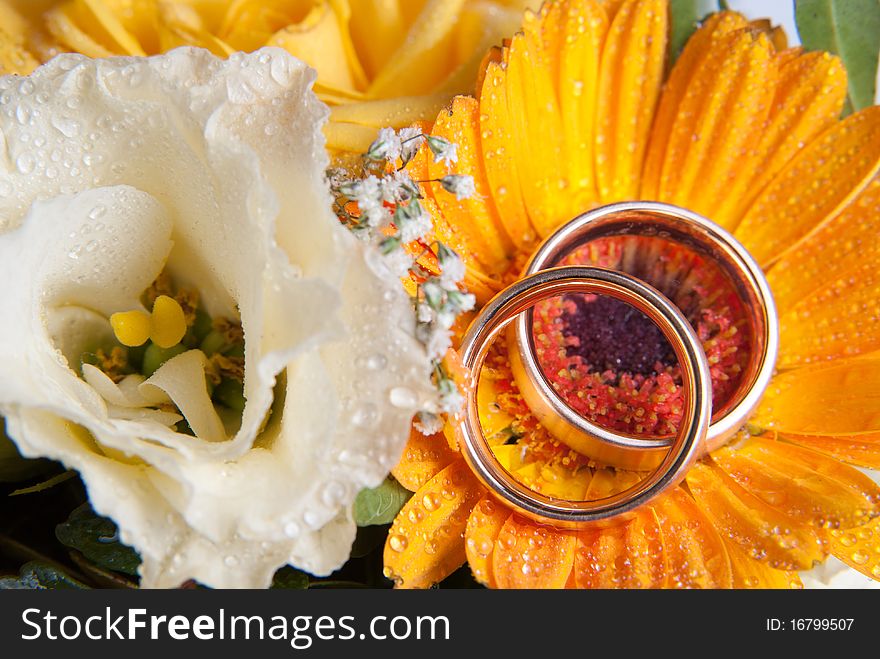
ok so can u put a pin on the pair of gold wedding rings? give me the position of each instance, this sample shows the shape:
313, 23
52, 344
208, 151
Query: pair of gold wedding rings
702, 429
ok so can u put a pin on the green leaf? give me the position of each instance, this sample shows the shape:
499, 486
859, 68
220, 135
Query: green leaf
97, 539
288, 578
380, 505
685, 15
40, 576
850, 29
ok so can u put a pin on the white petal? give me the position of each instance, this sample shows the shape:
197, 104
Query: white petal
182, 378
125, 394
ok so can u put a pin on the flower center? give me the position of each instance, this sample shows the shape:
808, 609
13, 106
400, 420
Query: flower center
176, 361
613, 336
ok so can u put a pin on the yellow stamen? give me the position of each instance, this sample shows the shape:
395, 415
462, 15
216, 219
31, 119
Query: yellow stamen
132, 328
168, 322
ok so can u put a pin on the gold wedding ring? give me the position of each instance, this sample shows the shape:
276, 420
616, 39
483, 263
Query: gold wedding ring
678, 452
690, 230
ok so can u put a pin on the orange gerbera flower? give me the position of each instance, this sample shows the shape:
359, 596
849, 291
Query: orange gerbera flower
574, 112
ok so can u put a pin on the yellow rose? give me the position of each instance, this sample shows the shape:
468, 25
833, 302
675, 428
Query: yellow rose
365, 51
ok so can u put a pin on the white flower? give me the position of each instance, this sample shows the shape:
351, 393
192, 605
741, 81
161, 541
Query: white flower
213, 171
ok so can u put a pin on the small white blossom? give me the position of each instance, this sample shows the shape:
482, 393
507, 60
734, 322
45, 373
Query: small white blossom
386, 146
410, 141
461, 185
428, 423
443, 149
452, 268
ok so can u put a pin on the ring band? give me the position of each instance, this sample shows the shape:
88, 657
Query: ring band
678, 454
669, 222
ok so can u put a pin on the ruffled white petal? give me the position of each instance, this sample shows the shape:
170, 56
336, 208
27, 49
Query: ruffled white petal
213, 170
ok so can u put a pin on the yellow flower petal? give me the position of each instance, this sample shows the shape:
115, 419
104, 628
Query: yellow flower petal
630, 78
424, 544
809, 99
321, 39
476, 217
627, 556
675, 89
14, 55
859, 548
763, 532
841, 319
817, 185
861, 449
749, 573
585, 29
377, 27
63, 23
536, 124
423, 458
529, 555
837, 248
721, 117
695, 553
397, 112
805, 485
413, 65
483, 527
826, 399
502, 173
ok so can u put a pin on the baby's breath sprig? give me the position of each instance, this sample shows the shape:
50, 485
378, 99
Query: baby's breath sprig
381, 205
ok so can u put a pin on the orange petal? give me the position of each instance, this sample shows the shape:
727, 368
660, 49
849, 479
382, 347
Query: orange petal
859, 548
528, 555
502, 172
675, 89
803, 484
817, 185
763, 532
825, 399
475, 218
627, 556
749, 573
585, 27
633, 62
483, 526
426, 541
423, 458
839, 246
809, 98
840, 319
861, 450
695, 553
536, 124
476, 281
720, 120
606, 482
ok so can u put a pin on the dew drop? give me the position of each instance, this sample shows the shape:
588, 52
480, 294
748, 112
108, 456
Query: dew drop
403, 398
397, 542
25, 163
